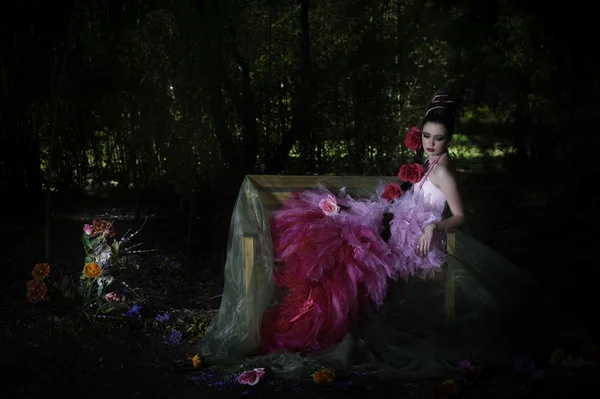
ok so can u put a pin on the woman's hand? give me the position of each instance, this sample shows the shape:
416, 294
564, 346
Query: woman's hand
424, 243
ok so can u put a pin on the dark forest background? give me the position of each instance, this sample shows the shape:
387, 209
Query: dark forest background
146, 105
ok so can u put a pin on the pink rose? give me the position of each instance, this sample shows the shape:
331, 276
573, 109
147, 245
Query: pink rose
413, 139
329, 206
111, 297
251, 377
88, 229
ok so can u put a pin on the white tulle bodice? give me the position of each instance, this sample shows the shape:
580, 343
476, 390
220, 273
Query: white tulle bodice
431, 195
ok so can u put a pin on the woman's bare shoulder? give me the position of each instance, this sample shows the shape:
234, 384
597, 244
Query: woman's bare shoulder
444, 171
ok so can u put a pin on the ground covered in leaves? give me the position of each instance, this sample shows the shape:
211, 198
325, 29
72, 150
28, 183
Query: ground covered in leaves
145, 346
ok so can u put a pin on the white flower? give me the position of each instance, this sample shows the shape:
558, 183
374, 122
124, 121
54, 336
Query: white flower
105, 281
103, 255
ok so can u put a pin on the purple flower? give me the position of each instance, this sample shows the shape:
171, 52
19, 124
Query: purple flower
524, 364
161, 318
174, 339
134, 311
111, 297
465, 366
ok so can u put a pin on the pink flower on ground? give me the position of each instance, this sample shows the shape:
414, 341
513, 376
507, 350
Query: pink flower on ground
88, 229
36, 291
329, 206
111, 297
251, 377
465, 366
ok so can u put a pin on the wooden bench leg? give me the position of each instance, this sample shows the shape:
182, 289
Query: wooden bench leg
450, 281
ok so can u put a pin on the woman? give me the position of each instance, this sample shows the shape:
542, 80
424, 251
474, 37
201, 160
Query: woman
333, 265
320, 287
418, 225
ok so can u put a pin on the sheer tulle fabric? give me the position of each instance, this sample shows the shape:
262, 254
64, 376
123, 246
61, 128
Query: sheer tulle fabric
499, 309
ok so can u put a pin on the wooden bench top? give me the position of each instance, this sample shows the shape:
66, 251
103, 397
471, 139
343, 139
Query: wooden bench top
275, 189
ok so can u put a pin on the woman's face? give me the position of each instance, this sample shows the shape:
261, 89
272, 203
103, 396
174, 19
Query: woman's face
435, 138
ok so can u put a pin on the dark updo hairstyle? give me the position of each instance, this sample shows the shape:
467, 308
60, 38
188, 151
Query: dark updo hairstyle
441, 109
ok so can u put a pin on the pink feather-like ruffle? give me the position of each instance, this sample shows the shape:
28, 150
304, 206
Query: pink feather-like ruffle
331, 270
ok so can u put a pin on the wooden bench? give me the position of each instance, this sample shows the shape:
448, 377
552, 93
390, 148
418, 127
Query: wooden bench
273, 190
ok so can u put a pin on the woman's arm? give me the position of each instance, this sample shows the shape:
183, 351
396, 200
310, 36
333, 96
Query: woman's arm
447, 184
445, 181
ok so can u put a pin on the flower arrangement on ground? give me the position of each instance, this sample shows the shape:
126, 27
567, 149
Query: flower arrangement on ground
102, 251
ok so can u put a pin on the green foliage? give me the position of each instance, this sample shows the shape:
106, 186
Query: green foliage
176, 94
88, 244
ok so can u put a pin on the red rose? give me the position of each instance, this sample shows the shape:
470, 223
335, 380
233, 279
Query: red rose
36, 291
411, 172
391, 192
100, 226
413, 139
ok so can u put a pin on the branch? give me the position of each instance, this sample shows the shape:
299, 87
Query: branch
125, 238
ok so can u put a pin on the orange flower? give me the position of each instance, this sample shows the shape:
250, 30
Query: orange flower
41, 271
450, 387
196, 361
92, 270
324, 376
36, 291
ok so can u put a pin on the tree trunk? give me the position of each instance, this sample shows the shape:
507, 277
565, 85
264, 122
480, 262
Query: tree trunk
133, 164
12, 161
303, 99
246, 108
227, 145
